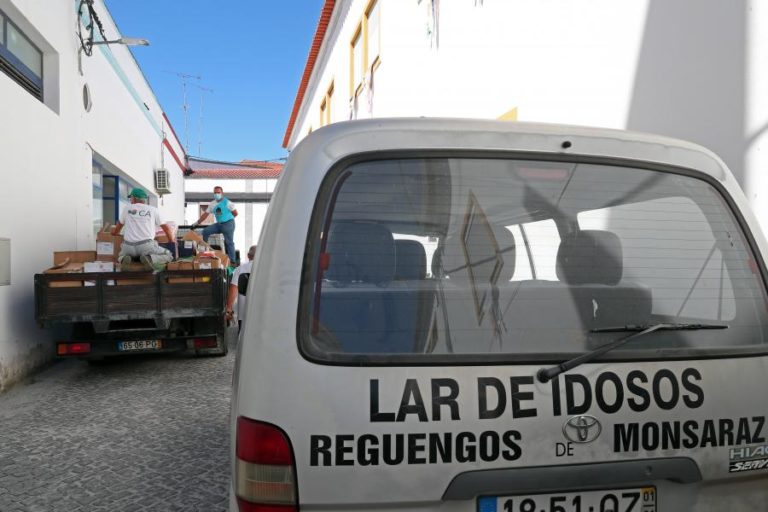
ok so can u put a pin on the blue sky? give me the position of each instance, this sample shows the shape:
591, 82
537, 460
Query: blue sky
250, 52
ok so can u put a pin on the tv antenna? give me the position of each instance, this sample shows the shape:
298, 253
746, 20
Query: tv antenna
203, 90
185, 106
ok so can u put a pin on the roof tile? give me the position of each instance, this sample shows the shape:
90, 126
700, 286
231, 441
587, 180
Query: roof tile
237, 174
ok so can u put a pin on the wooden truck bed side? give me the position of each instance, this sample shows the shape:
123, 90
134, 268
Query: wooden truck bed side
112, 296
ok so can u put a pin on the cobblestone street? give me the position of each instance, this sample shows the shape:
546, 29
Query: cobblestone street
137, 434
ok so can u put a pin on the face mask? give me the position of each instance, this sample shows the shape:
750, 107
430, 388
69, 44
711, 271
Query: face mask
217, 197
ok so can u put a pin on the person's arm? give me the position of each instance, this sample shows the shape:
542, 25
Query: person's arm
231, 207
231, 296
120, 222
167, 230
201, 219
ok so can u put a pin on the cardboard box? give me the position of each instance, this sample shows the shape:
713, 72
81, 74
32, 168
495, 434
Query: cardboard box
191, 236
180, 265
107, 245
60, 257
98, 266
187, 248
66, 268
171, 247
206, 263
202, 247
220, 255
223, 257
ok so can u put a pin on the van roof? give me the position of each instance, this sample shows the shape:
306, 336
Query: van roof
339, 140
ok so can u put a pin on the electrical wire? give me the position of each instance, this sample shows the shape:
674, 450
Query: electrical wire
86, 43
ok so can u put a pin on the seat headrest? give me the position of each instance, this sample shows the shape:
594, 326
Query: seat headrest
411, 260
590, 257
360, 252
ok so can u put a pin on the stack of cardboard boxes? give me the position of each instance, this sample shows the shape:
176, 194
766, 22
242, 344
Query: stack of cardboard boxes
104, 259
202, 257
70, 262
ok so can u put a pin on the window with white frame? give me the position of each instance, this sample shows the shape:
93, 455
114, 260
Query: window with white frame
20, 59
364, 47
325, 106
373, 38
357, 61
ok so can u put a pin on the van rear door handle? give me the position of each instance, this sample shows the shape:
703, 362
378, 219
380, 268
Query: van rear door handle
542, 479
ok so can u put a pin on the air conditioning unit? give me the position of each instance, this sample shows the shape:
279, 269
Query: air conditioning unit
162, 181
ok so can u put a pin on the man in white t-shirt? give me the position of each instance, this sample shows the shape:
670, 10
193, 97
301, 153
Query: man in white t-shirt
141, 221
243, 270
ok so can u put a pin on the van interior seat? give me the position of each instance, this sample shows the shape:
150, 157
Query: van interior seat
592, 263
360, 252
361, 303
590, 293
410, 261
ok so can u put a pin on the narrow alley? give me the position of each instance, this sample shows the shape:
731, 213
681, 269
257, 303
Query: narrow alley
144, 433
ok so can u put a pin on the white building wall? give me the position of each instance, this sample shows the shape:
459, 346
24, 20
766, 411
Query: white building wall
555, 61
46, 152
693, 69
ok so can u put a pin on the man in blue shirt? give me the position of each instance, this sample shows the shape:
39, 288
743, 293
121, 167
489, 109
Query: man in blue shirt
224, 211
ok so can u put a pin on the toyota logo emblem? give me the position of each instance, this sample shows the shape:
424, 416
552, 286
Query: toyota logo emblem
582, 429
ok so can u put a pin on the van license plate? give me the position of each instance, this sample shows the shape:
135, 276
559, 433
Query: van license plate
623, 500
139, 345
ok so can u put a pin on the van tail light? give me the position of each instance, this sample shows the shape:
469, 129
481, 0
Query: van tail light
264, 468
73, 349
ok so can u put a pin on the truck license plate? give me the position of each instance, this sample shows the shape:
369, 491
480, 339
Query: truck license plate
621, 500
139, 345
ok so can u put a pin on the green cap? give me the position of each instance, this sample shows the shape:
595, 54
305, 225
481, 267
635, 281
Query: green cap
138, 193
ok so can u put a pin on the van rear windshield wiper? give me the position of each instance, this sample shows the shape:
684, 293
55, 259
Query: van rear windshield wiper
669, 327
547, 374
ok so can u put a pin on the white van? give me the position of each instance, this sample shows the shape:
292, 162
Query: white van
459, 315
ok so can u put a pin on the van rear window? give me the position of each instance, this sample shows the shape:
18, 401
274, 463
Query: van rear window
469, 259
